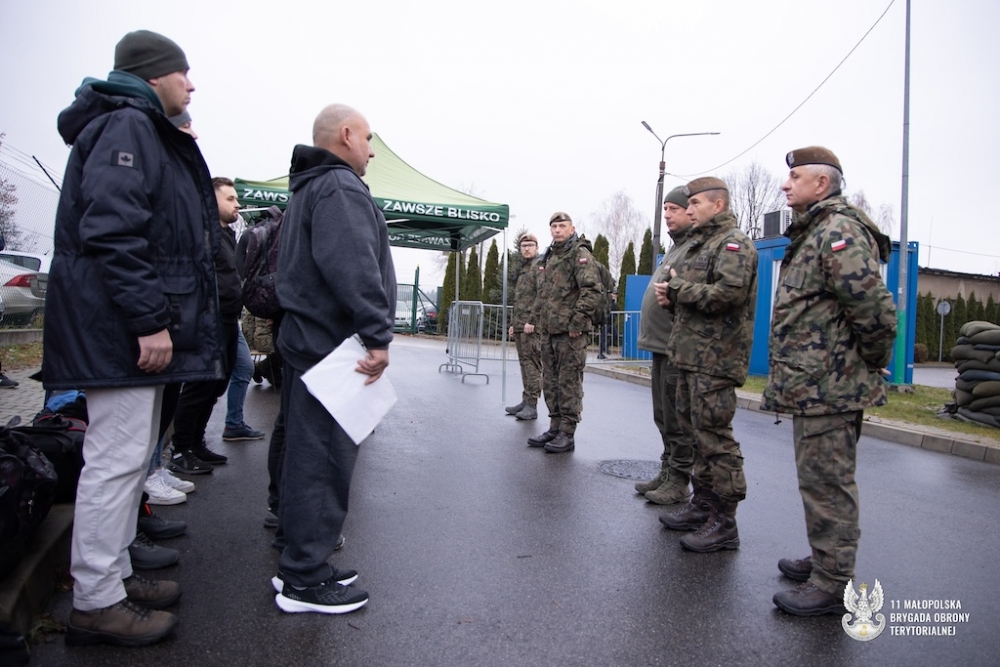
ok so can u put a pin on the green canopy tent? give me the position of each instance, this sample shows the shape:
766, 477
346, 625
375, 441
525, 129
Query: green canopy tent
420, 212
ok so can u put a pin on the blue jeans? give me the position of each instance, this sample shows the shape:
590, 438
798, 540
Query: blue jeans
238, 382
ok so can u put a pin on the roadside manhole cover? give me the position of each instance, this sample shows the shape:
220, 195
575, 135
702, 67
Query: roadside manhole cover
629, 469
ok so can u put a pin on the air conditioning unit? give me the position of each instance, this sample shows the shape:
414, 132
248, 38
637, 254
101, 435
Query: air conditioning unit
776, 222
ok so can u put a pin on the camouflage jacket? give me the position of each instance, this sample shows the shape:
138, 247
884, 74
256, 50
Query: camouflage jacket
656, 322
834, 321
569, 287
714, 297
525, 294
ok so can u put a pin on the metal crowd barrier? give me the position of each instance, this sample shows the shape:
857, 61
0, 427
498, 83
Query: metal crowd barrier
465, 338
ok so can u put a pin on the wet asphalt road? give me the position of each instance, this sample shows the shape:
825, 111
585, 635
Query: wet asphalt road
478, 550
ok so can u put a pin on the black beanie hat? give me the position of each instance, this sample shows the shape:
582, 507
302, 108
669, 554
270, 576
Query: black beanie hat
149, 55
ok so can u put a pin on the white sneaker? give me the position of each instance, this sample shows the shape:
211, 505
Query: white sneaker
160, 493
182, 485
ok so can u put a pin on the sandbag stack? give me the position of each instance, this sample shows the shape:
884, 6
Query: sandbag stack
977, 358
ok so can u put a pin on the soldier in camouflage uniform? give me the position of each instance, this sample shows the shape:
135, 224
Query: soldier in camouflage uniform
522, 330
655, 325
832, 332
568, 294
714, 295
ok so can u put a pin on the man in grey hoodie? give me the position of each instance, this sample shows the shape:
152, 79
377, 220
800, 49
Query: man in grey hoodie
335, 279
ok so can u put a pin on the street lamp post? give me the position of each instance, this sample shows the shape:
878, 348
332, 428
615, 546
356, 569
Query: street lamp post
659, 182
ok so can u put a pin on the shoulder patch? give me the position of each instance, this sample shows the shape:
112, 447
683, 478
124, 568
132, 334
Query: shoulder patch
837, 246
583, 260
733, 246
122, 159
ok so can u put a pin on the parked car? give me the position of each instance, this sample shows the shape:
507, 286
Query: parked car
22, 293
427, 322
32, 261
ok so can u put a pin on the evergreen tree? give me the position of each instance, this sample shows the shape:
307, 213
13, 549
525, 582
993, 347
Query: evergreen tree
492, 292
921, 333
976, 310
601, 248
957, 316
472, 289
448, 289
646, 254
992, 311
628, 269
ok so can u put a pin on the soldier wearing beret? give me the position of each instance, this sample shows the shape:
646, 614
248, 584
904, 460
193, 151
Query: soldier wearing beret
522, 329
832, 332
655, 326
569, 292
713, 294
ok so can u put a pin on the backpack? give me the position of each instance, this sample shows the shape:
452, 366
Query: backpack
602, 314
27, 490
260, 266
60, 439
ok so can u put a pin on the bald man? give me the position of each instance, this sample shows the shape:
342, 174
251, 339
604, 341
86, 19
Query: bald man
336, 280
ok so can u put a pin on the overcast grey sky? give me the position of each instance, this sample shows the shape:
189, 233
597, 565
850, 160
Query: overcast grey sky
537, 104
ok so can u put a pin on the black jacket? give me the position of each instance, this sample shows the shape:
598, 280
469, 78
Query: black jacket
135, 238
335, 271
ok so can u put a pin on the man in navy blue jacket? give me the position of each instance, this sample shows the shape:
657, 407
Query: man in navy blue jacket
335, 279
131, 306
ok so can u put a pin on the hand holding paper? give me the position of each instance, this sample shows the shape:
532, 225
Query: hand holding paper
347, 389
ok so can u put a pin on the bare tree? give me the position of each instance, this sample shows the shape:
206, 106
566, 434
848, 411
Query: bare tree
621, 223
9, 230
754, 191
885, 218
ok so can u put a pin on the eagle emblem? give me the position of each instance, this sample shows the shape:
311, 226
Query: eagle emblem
862, 606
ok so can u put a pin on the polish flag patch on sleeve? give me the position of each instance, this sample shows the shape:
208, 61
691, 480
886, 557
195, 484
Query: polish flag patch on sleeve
583, 260
837, 246
735, 247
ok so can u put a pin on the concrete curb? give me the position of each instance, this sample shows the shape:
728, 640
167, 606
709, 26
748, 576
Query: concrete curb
20, 336
906, 436
26, 592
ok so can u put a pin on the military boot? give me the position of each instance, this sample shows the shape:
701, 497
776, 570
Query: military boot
544, 438
807, 600
645, 487
690, 516
514, 409
527, 412
796, 570
562, 443
673, 490
719, 532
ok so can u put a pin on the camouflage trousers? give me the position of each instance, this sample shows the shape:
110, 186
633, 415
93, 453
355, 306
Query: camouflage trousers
706, 405
825, 457
563, 361
529, 354
678, 449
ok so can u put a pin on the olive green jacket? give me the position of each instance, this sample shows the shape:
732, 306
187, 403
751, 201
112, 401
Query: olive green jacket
655, 321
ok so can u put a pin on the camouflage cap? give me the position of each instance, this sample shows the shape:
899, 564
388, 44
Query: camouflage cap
812, 155
559, 216
676, 196
704, 184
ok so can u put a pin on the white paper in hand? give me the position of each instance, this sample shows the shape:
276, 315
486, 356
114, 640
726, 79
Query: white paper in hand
357, 407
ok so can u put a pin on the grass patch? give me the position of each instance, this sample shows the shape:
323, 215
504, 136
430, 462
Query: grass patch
24, 355
920, 408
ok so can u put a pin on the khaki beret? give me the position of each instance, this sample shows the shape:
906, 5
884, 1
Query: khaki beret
812, 155
527, 237
559, 216
676, 196
704, 184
